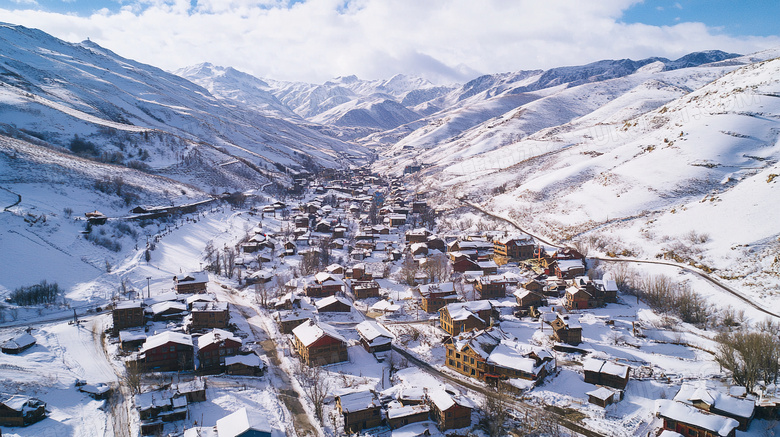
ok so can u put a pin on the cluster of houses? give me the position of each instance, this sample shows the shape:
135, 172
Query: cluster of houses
193, 334
400, 406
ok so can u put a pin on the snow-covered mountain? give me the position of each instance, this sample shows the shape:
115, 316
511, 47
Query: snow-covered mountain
650, 170
120, 111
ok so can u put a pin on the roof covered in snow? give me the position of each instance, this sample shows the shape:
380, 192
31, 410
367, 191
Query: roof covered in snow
309, 332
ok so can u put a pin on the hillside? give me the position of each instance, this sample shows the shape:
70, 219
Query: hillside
681, 181
139, 115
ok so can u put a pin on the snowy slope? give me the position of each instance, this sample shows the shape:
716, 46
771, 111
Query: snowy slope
692, 178
54, 90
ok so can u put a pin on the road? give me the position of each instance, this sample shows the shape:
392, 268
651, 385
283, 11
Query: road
280, 379
699, 273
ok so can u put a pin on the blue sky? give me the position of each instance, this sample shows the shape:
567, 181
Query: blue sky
442, 40
732, 17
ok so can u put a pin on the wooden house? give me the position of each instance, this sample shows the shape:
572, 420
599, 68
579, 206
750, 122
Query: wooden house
602, 397
131, 339
365, 289
398, 416
214, 346
319, 344
288, 320
465, 316
514, 248
450, 411
491, 287
419, 235
333, 304
244, 365
209, 315
167, 310
244, 423
436, 295
607, 373
21, 410
330, 284
374, 336
167, 351
360, 410
527, 298
127, 314
191, 283
691, 421
418, 249
465, 264
567, 329
568, 268
713, 401
18, 343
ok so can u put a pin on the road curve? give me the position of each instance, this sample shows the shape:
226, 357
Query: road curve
699, 273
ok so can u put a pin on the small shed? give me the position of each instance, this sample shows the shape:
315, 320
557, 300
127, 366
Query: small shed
18, 343
602, 397
245, 365
333, 304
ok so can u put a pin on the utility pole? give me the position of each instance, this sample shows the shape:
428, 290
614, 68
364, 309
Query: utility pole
148, 287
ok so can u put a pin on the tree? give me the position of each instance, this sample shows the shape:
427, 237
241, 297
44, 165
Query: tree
315, 385
133, 376
438, 267
749, 356
495, 411
408, 270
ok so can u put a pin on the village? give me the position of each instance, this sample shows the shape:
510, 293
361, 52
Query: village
347, 310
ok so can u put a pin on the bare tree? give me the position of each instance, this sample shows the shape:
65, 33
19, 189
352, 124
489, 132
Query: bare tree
438, 267
133, 376
750, 356
315, 385
261, 294
495, 412
408, 270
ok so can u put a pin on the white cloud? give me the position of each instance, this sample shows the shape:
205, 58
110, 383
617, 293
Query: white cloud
320, 39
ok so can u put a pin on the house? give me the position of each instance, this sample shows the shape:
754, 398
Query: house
167, 351
567, 329
18, 344
527, 298
435, 296
490, 355
511, 359
602, 397
288, 301
208, 315
569, 268
450, 411
193, 390
214, 346
579, 298
127, 314
491, 286
21, 410
361, 410
319, 344
335, 269
288, 320
398, 416
465, 264
419, 235
167, 310
244, 423
195, 298
245, 365
333, 304
191, 283
513, 248
691, 421
607, 373
374, 337
418, 249
365, 289
713, 401
488, 267
97, 391
328, 285
156, 407
465, 316
131, 339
